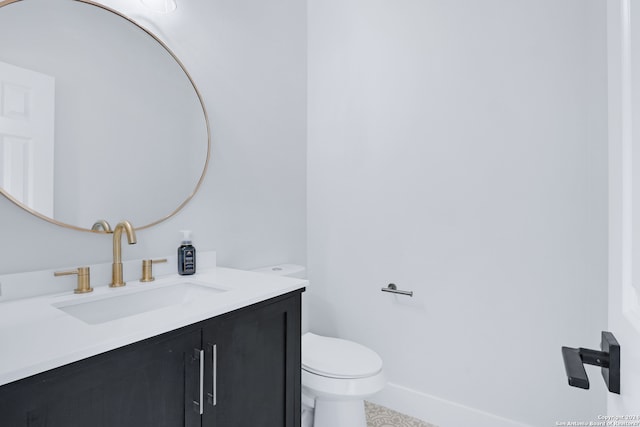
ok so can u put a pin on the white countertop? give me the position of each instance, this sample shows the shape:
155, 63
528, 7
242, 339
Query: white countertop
35, 336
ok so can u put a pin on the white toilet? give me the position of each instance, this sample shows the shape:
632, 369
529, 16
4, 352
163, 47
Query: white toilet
337, 374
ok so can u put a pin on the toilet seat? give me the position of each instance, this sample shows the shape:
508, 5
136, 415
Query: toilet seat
338, 358
337, 375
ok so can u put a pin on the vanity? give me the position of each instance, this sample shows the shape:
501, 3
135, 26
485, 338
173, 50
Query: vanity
220, 348
88, 93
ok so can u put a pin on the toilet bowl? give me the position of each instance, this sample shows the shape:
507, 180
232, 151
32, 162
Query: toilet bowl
337, 374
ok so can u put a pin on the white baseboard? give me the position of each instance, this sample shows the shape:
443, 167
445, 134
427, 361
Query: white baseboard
435, 410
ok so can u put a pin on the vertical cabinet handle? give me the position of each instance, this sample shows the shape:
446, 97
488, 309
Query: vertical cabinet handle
199, 356
215, 374
213, 396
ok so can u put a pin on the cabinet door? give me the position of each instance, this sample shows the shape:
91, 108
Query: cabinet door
252, 375
153, 383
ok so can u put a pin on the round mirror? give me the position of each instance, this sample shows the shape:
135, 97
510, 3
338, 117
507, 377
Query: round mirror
98, 118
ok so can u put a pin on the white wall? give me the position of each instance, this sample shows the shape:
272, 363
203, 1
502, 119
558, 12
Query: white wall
248, 58
455, 148
458, 149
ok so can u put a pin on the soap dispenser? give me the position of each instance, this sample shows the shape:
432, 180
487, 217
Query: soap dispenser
186, 255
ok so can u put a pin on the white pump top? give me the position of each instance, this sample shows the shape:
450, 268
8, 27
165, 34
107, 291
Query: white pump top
186, 236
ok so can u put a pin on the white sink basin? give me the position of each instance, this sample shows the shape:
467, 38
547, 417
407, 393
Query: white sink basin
111, 307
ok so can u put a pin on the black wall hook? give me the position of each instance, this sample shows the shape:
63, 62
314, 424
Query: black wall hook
608, 359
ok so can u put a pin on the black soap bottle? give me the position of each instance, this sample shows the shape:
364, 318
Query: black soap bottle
186, 255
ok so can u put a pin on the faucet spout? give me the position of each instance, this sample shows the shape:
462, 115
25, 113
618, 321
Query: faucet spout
116, 268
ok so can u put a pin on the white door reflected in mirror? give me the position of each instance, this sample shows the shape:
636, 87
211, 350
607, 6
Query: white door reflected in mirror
27, 107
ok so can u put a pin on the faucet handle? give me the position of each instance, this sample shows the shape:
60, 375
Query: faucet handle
84, 279
147, 269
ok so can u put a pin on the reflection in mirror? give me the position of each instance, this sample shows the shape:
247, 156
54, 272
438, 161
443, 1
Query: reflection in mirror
97, 119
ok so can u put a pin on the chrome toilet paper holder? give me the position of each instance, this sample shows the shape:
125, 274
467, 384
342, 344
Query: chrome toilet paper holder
392, 288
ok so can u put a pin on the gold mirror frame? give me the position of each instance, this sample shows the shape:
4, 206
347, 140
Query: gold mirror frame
4, 3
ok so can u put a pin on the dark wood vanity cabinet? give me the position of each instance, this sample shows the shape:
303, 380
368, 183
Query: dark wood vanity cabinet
250, 377
254, 361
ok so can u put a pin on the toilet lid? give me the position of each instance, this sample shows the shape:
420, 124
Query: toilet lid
338, 358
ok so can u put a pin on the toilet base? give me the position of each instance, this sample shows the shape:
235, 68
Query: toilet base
339, 413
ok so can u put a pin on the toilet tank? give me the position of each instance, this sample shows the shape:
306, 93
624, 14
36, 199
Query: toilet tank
289, 270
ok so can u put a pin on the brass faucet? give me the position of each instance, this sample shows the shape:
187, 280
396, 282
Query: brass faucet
116, 268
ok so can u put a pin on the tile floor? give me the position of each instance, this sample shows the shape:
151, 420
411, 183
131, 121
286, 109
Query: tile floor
379, 416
